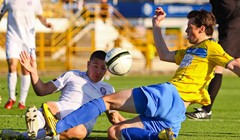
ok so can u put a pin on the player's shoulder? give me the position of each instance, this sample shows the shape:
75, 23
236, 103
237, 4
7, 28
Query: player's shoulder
106, 85
211, 42
75, 73
212, 46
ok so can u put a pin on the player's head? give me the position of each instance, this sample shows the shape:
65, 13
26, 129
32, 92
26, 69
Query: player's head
203, 18
200, 26
96, 67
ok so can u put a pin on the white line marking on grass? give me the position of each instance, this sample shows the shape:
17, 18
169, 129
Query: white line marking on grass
5, 116
215, 120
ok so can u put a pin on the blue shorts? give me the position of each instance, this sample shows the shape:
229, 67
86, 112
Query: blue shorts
160, 107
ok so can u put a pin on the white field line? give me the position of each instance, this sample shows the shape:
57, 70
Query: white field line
6, 116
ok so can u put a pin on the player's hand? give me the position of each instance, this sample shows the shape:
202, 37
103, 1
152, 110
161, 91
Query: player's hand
158, 17
28, 62
49, 25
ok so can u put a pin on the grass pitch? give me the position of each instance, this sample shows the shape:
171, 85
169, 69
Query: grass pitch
224, 125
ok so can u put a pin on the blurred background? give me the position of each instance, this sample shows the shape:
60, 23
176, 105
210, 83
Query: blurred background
80, 27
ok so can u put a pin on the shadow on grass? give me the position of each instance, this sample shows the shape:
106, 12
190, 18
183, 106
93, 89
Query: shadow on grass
96, 138
97, 135
212, 135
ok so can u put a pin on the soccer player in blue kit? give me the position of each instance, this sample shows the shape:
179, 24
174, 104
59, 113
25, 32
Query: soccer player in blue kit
161, 107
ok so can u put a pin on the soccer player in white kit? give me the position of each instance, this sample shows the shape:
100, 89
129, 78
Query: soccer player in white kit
76, 88
20, 36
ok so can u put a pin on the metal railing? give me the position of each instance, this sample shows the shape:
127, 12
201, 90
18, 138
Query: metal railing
80, 24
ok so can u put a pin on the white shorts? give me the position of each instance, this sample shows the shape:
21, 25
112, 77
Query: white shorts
66, 108
14, 48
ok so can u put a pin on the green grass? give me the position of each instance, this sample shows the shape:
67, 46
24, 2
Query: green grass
224, 124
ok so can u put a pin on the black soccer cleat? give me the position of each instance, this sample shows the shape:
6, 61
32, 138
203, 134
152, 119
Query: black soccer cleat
199, 114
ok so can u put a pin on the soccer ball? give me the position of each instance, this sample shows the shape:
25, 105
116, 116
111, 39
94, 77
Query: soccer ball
118, 61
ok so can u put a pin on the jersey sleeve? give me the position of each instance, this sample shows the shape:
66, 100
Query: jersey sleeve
179, 56
110, 89
38, 9
218, 56
60, 81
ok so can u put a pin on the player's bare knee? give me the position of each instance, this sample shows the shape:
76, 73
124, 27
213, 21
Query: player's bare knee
114, 132
72, 135
53, 107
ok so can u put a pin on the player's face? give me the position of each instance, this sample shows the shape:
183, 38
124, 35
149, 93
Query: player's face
96, 70
192, 31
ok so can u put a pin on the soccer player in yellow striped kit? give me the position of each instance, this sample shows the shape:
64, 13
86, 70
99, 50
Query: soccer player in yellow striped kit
161, 107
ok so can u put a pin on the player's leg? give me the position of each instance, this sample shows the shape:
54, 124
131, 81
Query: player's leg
79, 132
134, 129
12, 81
25, 84
213, 89
25, 78
13, 48
120, 101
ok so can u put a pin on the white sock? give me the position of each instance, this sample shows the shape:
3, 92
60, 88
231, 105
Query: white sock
12, 82
25, 84
57, 137
41, 120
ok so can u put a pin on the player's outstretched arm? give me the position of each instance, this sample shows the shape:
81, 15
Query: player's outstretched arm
163, 51
40, 88
43, 20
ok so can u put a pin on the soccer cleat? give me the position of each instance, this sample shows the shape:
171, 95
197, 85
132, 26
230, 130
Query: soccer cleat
50, 119
8, 134
166, 134
9, 104
199, 114
21, 106
32, 122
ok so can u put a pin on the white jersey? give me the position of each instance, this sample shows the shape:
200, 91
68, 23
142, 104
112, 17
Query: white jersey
21, 23
77, 89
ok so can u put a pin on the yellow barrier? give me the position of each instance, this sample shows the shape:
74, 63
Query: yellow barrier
49, 43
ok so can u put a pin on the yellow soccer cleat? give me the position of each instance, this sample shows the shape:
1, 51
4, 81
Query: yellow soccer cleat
166, 134
50, 119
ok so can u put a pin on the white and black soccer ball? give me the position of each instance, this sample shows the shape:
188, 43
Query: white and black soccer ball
119, 61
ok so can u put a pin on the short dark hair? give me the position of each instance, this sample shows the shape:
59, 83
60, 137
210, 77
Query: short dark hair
205, 18
99, 54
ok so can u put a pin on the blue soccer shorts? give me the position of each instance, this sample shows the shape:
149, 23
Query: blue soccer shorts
160, 107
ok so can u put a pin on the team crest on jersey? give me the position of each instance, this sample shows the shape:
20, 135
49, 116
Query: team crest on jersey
103, 91
187, 60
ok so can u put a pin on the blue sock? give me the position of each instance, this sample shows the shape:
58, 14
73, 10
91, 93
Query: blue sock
135, 133
82, 115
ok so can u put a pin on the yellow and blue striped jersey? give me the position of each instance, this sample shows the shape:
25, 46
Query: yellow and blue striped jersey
196, 67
